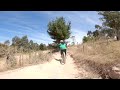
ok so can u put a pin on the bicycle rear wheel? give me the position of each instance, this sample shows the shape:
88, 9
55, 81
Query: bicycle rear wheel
64, 58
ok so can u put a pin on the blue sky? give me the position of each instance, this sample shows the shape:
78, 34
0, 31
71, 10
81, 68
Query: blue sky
34, 24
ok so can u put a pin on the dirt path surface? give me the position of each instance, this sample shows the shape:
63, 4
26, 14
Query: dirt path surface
50, 70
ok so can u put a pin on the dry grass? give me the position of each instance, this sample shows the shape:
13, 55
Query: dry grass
21, 60
98, 56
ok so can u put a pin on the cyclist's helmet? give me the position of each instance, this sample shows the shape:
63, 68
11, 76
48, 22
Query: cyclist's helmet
61, 41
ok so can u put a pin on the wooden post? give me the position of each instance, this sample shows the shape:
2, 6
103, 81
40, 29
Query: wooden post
35, 56
29, 57
22, 57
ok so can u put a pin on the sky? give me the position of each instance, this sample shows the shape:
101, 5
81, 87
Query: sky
34, 24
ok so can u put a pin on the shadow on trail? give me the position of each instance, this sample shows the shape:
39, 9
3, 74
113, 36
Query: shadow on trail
60, 60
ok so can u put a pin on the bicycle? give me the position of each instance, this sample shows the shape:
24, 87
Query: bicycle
63, 58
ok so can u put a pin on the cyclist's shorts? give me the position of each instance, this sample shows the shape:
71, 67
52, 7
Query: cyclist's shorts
62, 51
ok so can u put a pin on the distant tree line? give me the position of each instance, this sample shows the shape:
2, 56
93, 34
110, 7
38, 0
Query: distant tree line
109, 29
24, 44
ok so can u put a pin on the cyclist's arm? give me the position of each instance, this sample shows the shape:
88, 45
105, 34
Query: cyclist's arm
66, 45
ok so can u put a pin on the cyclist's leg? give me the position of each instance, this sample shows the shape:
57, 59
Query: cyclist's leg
62, 56
61, 53
64, 59
65, 51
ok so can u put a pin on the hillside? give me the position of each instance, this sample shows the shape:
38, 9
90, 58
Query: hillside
97, 57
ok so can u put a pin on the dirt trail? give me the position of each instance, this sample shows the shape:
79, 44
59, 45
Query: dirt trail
50, 70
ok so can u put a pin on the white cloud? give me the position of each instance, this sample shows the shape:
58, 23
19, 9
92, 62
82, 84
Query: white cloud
40, 38
11, 31
76, 17
89, 20
22, 25
3, 37
93, 21
79, 34
37, 40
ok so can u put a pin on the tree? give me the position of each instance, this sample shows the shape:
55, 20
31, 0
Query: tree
7, 42
21, 42
31, 45
89, 33
96, 33
16, 41
25, 43
42, 46
59, 30
36, 46
50, 46
98, 27
107, 31
111, 19
85, 39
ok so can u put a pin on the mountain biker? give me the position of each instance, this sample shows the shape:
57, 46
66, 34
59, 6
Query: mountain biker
63, 47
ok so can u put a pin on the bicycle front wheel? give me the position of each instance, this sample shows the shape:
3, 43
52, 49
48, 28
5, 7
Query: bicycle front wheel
64, 58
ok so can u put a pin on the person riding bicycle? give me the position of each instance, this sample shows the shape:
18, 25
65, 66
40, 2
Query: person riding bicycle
63, 47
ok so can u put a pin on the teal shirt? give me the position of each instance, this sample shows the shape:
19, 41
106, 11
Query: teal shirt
62, 46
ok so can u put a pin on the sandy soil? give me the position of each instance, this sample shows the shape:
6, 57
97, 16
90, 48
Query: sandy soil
50, 70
